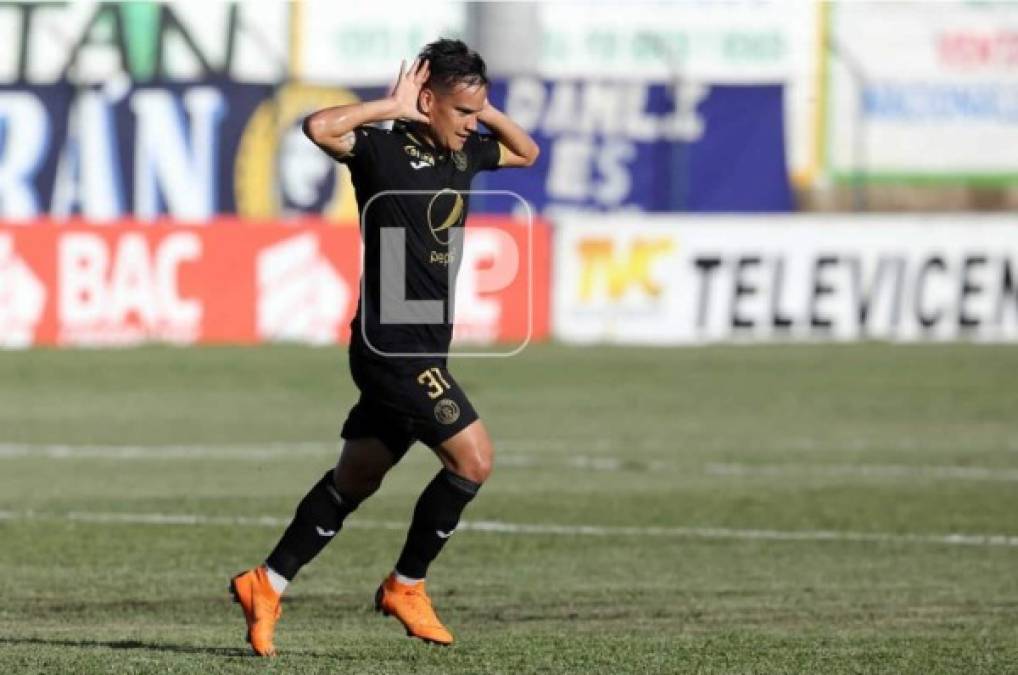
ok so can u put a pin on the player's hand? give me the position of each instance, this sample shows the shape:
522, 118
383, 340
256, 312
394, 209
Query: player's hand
407, 89
487, 112
518, 148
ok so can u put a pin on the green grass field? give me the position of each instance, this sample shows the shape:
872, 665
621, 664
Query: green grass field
740, 509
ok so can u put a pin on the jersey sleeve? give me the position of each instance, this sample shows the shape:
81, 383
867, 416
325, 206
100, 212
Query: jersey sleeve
365, 147
484, 151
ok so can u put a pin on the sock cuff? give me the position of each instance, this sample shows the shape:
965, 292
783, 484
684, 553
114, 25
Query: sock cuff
463, 485
278, 581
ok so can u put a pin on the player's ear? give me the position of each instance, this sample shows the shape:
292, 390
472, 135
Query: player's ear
426, 100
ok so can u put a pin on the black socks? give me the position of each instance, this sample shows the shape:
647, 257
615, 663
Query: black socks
318, 518
435, 518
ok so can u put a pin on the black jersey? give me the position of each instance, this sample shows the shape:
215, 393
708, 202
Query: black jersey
426, 226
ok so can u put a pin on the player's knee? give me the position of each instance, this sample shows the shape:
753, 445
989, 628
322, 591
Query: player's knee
482, 470
357, 480
469, 453
476, 465
365, 473
359, 475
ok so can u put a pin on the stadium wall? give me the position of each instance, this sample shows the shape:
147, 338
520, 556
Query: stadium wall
625, 279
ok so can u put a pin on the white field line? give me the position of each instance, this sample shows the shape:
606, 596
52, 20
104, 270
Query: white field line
161, 452
976, 473
271, 451
598, 446
258, 452
499, 527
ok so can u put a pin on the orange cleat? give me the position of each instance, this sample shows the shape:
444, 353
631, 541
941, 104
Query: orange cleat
411, 605
261, 606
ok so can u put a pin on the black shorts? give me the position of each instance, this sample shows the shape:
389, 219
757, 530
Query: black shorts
403, 401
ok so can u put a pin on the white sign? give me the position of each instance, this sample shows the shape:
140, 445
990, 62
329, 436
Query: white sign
90, 42
924, 89
738, 41
669, 280
358, 43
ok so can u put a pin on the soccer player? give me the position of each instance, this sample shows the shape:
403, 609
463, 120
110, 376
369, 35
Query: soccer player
399, 362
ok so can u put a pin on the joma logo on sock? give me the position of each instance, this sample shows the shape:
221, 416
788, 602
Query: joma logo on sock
323, 532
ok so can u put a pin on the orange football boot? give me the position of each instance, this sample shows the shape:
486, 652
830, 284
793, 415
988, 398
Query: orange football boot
411, 605
261, 606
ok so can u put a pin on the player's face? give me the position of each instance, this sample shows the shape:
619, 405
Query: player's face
453, 113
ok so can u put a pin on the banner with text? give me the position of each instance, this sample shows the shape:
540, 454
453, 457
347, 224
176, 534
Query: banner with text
611, 145
126, 284
361, 44
667, 280
924, 93
194, 151
185, 151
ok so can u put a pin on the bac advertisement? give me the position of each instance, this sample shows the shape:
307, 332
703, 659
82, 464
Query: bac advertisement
240, 282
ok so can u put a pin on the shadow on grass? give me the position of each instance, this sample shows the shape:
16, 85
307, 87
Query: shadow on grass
234, 652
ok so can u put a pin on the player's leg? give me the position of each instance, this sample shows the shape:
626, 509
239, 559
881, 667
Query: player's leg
375, 442
319, 517
466, 463
462, 443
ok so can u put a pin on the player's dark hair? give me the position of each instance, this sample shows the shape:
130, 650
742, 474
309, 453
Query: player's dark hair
453, 63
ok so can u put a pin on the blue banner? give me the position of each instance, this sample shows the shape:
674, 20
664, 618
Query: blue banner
193, 151
649, 147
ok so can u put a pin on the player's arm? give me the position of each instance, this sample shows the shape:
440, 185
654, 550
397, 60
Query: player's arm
331, 129
518, 148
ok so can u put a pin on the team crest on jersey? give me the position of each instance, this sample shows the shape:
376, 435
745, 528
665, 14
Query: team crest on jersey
459, 159
445, 210
420, 158
447, 411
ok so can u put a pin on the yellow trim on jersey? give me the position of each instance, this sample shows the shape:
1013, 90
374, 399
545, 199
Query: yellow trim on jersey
502, 150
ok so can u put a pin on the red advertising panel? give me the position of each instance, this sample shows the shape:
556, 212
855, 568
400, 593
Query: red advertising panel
238, 282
